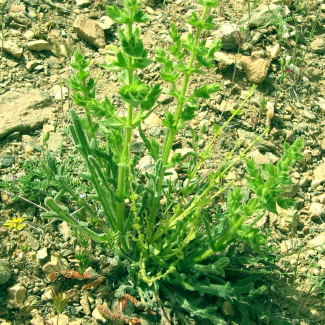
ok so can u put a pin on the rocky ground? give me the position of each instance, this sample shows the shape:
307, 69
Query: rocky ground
280, 47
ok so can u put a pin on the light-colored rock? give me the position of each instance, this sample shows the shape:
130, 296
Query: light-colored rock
317, 210
317, 241
267, 158
263, 15
275, 51
37, 320
146, 164
5, 272
224, 60
153, 120
23, 110
319, 175
84, 302
55, 265
17, 13
42, 254
318, 45
29, 35
173, 177
183, 151
63, 320
90, 31
284, 220
83, 3
98, 316
226, 106
16, 294
30, 239
12, 49
65, 230
321, 103
227, 32
39, 45
106, 23
31, 65
255, 70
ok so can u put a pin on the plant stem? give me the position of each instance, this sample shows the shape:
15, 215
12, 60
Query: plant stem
125, 153
172, 133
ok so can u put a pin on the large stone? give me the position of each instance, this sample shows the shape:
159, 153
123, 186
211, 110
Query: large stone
255, 69
263, 15
90, 31
12, 49
39, 45
5, 272
16, 294
228, 33
23, 110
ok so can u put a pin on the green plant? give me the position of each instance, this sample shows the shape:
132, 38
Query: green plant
174, 242
60, 301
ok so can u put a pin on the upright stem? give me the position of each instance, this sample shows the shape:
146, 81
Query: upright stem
123, 166
172, 133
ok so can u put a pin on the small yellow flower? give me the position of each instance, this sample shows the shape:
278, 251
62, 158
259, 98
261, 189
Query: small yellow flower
16, 223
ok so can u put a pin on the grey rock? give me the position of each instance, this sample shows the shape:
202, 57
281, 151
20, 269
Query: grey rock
23, 110
228, 33
16, 294
146, 164
54, 142
39, 45
263, 15
30, 239
12, 49
90, 31
318, 45
106, 23
5, 272
6, 161
155, 131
